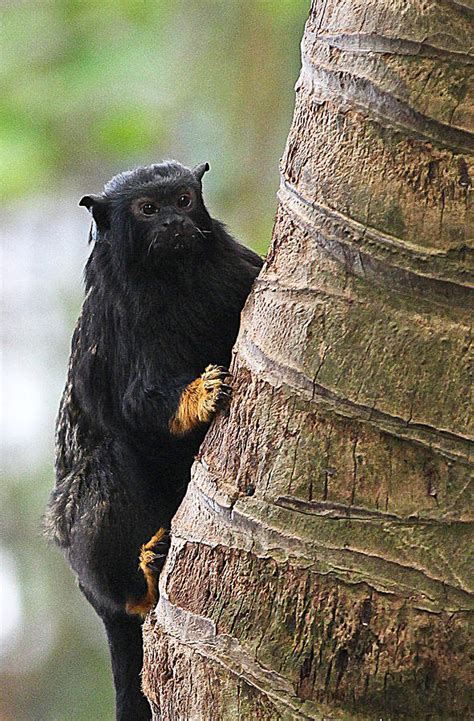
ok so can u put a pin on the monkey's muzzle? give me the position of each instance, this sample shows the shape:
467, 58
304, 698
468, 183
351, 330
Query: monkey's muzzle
175, 233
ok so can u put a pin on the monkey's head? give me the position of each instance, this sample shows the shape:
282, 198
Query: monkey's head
152, 214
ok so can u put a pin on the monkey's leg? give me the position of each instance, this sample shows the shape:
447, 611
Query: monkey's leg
110, 516
201, 399
101, 513
125, 643
123, 628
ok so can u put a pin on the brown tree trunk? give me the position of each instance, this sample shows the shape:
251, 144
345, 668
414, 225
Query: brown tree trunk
319, 564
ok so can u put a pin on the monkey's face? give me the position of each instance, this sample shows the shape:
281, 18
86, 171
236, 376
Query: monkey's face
170, 218
153, 214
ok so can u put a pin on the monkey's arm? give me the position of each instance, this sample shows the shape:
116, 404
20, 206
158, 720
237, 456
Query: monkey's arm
200, 400
177, 406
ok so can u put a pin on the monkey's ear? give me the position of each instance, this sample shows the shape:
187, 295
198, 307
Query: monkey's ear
199, 170
98, 207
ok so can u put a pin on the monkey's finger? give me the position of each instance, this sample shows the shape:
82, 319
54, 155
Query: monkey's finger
158, 562
216, 386
222, 402
161, 548
215, 372
225, 389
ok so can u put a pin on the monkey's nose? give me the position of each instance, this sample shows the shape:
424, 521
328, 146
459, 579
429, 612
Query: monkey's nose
173, 224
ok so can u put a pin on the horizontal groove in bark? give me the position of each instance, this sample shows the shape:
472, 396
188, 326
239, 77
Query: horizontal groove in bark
468, 6
355, 549
221, 499
362, 95
445, 24
368, 269
328, 546
274, 372
342, 511
330, 227
244, 635
365, 43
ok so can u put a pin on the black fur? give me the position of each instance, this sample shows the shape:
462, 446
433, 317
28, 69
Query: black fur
164, 294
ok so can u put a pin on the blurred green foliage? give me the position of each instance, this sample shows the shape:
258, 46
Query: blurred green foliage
88, 89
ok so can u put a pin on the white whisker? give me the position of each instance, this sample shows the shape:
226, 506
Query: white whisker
150, 246
203, 231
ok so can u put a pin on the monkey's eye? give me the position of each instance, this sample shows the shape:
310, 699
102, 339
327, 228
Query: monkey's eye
148, 209
184, 201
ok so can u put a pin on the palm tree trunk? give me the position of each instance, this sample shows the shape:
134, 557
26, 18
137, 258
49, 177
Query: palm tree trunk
320, 561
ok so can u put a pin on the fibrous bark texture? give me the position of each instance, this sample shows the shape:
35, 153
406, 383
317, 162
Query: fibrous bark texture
320, 560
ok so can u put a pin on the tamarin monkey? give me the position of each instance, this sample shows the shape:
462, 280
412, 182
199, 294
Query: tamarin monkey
165, 285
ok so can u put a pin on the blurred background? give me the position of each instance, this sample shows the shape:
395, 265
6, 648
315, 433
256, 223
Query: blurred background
89, 89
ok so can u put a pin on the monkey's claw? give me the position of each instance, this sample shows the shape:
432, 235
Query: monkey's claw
218, 391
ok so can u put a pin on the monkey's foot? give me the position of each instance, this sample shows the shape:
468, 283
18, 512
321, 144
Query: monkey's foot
152, 559
201, 399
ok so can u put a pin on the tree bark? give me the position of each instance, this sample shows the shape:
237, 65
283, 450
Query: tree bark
319, 564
